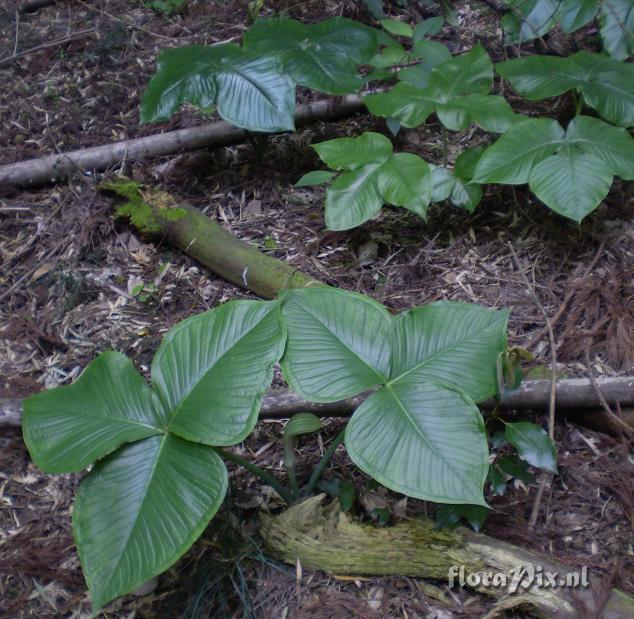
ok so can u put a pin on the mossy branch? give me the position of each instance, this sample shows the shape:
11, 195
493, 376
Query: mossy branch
157, 213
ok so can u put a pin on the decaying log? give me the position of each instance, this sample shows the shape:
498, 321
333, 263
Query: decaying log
576, 399
320, 537
54, 167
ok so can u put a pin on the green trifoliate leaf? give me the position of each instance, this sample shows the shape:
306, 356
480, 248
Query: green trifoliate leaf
322, 56
606, 84
491, 112
617, 27
249, 90
443, 183
421, 439
405, 180
613, 145
212, 370
451, 344
302, 423
528, 19
573, 14
316, 177
68, 428
468, 73
432, 54
511, 158
389, 57
409, 105
428, 27
140, 509
444, 87
399, 28
338, 343
456, 185
570, 172
376, 177
353, 153
466, 195
571, 183
533, 445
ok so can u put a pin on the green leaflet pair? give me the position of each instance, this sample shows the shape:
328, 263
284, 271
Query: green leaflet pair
159, 479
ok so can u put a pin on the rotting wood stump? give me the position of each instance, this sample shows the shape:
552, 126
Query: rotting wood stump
321, 537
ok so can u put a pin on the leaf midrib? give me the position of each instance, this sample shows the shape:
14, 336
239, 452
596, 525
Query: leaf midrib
443, 351
140, 509
325, 326
203, 373
424, 438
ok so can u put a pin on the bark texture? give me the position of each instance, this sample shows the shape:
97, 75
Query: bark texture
321, 537
54, 167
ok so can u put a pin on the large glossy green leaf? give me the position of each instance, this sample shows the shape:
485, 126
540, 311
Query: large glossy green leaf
529, 19
353, 153
338, 343
571, 182
607, 85
212, 370
612, 145
512, 157
141, 509
405, 180
573, 14
421, 439
322, 56
249, 89
68, 428
449, 343
184, 75
617, 27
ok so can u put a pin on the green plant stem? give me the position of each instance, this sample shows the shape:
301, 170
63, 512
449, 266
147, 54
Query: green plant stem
314, 478
256, 470
445, 146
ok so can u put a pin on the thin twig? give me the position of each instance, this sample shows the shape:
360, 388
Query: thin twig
38, 48
17, 32
553, 382
126, 22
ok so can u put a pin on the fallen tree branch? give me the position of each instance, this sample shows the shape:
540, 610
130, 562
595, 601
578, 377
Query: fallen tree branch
54, 167
577, 398
152, 212
321, 537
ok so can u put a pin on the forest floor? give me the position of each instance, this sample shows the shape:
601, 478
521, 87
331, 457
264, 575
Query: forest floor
68, 271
